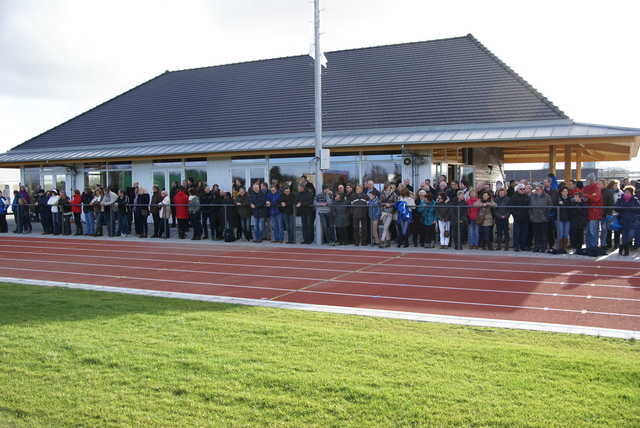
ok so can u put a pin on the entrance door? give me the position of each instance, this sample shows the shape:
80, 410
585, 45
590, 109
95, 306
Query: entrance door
164, 178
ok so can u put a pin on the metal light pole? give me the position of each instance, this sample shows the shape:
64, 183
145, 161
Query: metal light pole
318, 109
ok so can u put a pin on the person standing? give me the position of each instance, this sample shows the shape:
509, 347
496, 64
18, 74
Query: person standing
110, 211
501, 214
76, 208
388, 199
273, 204
181, 208
627, 208
458, 214
323, 201
165, 215
65, 206
304, 206
540, 203
154, 209
243, 203
123, 206
206, 207
259, 208
287, 200
485, 220
593, 195
87, 211
142, 211
194, 213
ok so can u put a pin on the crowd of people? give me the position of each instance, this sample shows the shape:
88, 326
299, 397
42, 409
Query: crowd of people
548, 216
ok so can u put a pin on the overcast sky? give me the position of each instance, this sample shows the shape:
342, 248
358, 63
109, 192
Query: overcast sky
60, 58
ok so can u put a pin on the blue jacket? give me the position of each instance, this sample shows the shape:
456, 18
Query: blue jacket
428, 210
274, 200
404, 212
374, 209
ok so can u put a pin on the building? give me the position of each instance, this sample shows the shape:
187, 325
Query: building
414, 110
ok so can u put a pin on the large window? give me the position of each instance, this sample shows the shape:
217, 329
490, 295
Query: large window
196, 169
115, 175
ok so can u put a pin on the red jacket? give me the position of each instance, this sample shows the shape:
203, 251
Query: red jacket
593, 195
182, 201
76, 204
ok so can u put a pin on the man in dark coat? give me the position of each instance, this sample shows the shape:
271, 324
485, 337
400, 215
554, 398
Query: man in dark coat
304, 207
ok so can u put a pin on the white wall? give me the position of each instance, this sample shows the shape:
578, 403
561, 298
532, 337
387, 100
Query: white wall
219, 172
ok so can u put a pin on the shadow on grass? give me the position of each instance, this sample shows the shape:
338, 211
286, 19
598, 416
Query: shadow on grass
30, 304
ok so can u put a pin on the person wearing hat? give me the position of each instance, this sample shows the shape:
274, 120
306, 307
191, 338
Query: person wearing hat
304, 207
593, 195
56, 218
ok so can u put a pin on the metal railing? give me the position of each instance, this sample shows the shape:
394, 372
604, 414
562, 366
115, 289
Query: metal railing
24, 217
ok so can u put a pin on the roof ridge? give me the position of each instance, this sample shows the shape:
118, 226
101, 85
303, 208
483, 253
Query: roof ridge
304, 55
517, 76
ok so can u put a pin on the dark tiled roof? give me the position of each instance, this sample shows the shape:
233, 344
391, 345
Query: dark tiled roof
441, 82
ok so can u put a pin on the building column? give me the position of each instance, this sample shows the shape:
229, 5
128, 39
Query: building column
552, 160
567, 163
579, 165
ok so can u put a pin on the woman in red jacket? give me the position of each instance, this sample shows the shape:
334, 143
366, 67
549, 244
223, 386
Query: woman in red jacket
76, 209
181, 201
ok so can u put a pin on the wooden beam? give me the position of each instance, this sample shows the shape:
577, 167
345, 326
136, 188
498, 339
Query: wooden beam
552, 160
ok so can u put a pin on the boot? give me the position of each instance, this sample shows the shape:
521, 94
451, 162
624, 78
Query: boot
498, 247
489, 246
621, 250
387, 244
380, 244
626, 250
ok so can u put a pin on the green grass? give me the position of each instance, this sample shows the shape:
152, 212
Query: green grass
79, 358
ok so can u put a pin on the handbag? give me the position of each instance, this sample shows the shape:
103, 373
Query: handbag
144, 211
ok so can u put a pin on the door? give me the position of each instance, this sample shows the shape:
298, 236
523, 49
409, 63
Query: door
164, 178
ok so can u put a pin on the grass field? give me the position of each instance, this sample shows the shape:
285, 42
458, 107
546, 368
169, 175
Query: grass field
79, 358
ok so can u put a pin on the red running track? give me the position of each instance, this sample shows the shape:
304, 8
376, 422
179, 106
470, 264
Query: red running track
544, 289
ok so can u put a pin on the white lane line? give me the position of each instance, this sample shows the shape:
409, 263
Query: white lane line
410, 316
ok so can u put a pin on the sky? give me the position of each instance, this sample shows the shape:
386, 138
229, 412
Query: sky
60, 58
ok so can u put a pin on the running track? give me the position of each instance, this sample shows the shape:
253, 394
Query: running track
503, 286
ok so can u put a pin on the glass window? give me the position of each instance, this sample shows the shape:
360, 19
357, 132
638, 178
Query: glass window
61, 182
382, 171
119, 179
279, 160
257, 175
341, 174
238, 174
195, 162
247, 159
196, 174
120, 165
345, 157
167, 162
30, 180
94, 178
382, 157
95, 166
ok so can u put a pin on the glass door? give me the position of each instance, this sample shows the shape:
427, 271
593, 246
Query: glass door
164, 178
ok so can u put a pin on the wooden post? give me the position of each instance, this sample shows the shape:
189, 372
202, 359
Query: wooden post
579, 165
552, 160
567, 163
